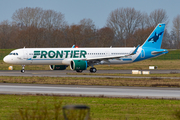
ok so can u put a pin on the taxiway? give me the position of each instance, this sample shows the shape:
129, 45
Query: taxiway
63, 73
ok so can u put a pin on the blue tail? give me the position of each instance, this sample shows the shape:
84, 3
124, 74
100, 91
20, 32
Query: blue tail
155, 39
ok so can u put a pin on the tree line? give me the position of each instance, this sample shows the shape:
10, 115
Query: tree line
35, 27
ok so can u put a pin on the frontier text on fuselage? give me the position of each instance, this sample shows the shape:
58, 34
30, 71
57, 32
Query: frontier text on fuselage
60, 54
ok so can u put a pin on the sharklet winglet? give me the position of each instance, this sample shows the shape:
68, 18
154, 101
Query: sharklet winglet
134, 52
73, 46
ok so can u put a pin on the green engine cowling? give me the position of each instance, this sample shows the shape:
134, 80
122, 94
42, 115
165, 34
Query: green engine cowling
57, 67
78, 65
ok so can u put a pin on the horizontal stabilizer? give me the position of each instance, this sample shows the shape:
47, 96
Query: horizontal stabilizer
157, 52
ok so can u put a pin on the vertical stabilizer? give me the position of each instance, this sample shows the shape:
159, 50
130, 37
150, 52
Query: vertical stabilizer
155, 38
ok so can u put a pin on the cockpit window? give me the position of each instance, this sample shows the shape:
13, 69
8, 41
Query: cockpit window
13, 53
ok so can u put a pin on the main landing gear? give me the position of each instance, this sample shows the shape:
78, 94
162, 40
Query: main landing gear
93, 70
79, 71
22, 70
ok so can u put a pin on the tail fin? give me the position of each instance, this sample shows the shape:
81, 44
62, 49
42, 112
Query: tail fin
155, 38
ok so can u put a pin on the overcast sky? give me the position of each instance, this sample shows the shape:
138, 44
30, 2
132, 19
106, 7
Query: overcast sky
97, 10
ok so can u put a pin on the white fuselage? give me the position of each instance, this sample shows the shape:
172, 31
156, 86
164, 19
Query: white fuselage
63, 56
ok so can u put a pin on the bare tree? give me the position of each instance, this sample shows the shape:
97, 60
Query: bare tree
173, 40
157, 16
87, 24
176, 30
36, 24
53, 20
167, 41
105, 37
124, 21
28, 16
38, 17
88, 32
7, 34
143, 24
74, 35
139, 36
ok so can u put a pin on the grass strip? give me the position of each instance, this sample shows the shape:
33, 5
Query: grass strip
100, 108
133, 75
152, 82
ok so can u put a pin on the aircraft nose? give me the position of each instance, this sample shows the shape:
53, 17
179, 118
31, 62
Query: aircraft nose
5, 59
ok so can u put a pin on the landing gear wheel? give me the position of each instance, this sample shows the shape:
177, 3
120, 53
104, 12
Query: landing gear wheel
22, 70
79, 71
93, 70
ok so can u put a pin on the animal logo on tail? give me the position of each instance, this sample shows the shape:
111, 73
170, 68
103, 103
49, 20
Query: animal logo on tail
155, 37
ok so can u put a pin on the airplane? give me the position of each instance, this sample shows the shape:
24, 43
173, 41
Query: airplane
80, 59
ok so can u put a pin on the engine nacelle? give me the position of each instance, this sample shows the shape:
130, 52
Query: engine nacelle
78, 65
57, 67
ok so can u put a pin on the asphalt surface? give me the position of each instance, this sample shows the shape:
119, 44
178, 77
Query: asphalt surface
63, 73
95, 91
79, 90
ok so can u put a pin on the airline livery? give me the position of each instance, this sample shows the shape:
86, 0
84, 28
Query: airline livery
80, 59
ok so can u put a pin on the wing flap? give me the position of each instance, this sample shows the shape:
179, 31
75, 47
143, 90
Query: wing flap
134, 52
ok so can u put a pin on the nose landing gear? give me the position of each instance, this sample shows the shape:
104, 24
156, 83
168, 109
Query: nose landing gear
23, 70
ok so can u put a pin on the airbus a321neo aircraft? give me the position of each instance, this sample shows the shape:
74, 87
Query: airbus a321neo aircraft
80, 58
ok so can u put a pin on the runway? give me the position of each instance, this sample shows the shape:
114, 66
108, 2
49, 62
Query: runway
97, 91
78, 90
63, 73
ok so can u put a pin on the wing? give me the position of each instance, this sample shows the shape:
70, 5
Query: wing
106, 58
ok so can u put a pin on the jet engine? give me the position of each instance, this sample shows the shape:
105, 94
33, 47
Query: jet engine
78, 65
57, 67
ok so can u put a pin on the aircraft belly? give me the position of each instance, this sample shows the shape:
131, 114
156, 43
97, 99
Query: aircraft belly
22, 62
46, 62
